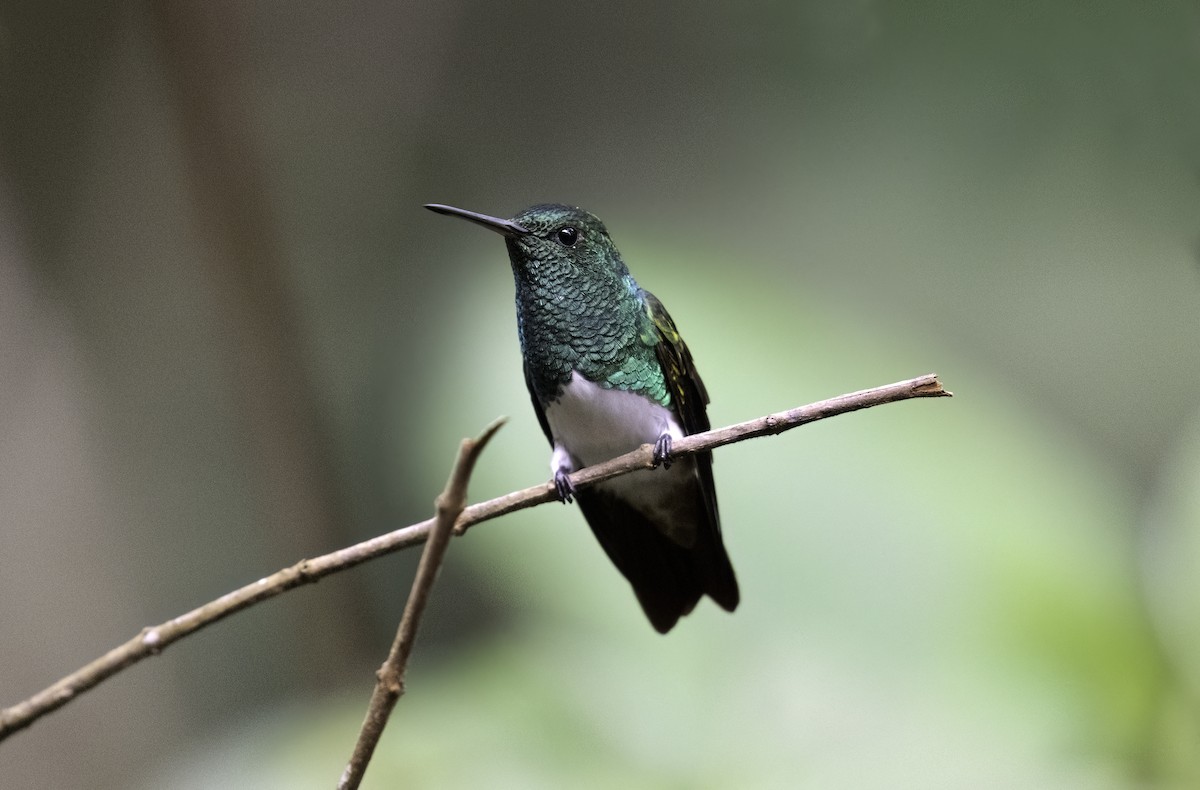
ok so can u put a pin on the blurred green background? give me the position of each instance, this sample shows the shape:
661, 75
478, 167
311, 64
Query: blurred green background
231, 338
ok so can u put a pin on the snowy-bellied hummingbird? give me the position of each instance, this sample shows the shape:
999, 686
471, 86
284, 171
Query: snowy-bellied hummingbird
608, 372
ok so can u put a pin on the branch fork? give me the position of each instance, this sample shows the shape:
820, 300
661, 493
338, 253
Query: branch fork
453, 517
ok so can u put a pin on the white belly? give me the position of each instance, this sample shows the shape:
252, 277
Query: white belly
591, 424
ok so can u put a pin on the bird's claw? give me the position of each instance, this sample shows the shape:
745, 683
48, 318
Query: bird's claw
662, 451
563, 486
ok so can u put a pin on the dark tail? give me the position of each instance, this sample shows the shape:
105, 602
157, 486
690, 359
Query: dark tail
667, 578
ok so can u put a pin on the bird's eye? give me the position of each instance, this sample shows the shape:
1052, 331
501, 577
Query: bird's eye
567, 236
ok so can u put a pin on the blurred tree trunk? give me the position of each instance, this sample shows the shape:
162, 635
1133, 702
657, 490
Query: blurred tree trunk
289, 448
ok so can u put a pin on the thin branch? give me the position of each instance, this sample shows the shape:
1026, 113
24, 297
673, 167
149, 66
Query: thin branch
389, 685
151, 641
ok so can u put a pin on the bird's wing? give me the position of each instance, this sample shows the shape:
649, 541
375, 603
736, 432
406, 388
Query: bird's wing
688, 401
537, 405
688, 396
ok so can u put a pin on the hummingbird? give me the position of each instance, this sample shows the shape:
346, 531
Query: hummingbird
607, 372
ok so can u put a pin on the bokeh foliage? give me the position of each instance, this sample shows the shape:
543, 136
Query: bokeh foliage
232, 338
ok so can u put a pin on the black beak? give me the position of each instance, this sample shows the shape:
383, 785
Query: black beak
504, 226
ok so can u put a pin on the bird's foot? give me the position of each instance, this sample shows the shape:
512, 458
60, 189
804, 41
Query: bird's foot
662, 451
563, 486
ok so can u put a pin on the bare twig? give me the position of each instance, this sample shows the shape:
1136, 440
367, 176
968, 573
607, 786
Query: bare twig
150, 641
389, 685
